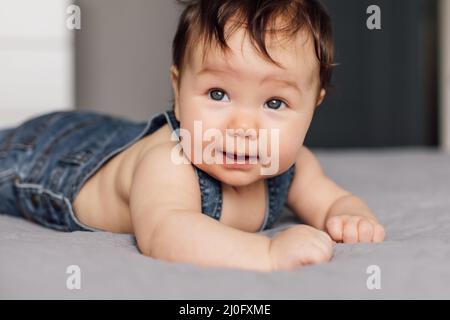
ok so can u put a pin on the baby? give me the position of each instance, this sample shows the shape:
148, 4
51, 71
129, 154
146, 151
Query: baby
196, 183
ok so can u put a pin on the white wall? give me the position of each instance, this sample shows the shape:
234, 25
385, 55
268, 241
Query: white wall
444, 68
36, 59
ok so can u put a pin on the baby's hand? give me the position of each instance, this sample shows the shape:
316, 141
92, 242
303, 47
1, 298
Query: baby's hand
353, 228
298, 246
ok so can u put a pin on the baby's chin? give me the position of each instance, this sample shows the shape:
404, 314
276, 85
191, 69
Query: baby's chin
234, 177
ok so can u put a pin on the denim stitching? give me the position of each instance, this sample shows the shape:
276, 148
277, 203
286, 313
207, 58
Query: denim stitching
41, 160
38, 129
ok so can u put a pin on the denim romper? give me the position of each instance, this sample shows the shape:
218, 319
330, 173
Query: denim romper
46, 160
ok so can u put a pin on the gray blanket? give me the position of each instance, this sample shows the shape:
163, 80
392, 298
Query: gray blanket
407, 188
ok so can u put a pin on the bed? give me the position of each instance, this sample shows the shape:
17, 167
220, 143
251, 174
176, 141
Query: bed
409, 189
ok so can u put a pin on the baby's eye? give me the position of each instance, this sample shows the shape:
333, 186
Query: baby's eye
275, 104
217, 94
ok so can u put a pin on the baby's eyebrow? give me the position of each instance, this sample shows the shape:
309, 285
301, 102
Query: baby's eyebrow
288, 83
208, 69
269, 77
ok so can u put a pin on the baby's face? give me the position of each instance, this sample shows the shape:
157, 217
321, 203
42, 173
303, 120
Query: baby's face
244, 91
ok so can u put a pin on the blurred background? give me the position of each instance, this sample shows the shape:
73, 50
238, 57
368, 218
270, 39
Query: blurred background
391, 88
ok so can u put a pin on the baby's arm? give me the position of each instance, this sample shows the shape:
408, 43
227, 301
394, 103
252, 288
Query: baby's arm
168, 223
320, 202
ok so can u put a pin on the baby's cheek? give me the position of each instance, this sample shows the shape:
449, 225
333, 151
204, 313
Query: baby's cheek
281, 159
287, 158
289, 147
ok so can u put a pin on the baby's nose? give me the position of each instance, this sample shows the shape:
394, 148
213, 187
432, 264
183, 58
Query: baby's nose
242, 118
243, 133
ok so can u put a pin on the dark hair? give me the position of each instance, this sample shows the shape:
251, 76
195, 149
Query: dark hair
206, 19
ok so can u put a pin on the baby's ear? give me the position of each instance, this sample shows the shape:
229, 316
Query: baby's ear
174, 71
174, 77
321, 96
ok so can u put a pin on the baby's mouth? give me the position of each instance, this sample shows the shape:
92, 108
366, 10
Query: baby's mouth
240, 157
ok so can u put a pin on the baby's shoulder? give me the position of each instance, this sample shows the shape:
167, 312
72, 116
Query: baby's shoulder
163, 157
165, 169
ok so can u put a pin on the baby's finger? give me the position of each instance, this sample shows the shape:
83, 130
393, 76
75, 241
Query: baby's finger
378, 234
365, 230
322, 253
326, 239
350, 233
322, 239
334, 228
